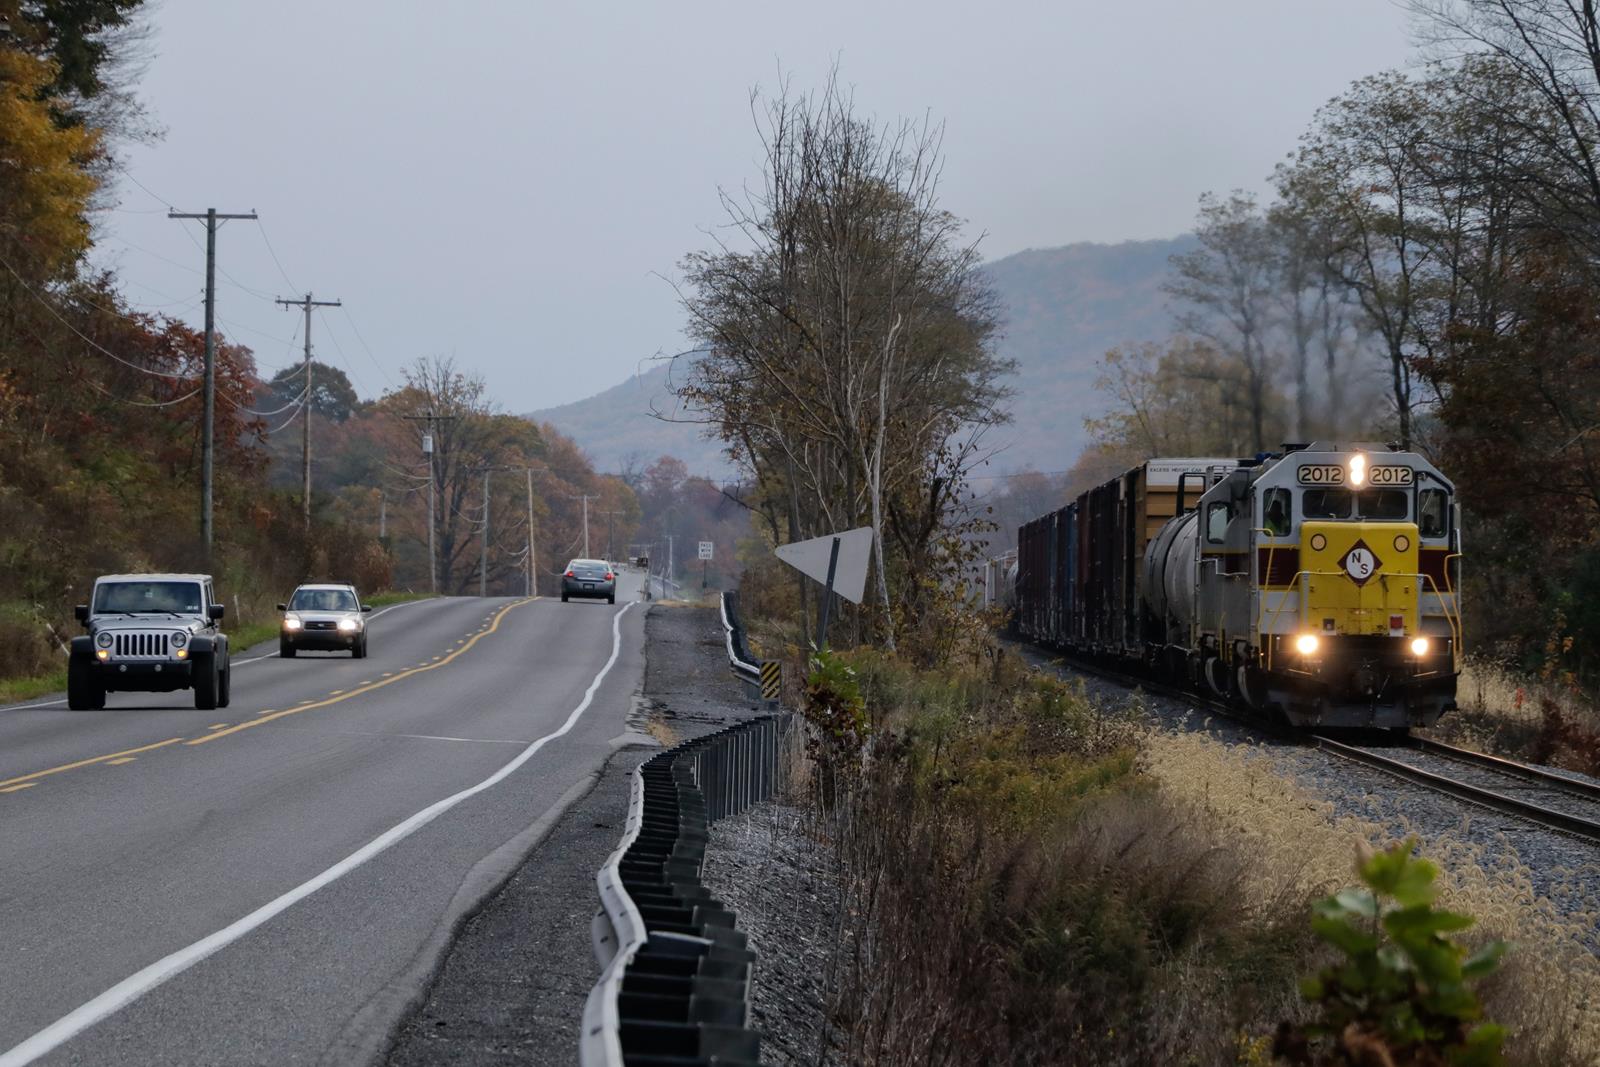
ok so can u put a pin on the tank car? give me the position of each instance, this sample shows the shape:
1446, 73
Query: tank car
1319, 584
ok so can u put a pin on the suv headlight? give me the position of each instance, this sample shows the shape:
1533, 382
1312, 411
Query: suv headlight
179, 639
291, 623
103, 638
347, 625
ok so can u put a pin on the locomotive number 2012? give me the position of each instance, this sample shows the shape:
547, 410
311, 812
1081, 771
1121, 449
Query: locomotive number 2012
1321, 474
1389, 475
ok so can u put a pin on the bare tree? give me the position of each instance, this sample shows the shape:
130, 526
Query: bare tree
850, 343
1229, 285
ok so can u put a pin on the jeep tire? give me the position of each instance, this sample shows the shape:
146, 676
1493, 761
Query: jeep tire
207, 681
84, 691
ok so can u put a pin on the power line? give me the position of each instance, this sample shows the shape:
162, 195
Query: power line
85, 338
141, 403
368, 347
274, 253
275, 411
344, 359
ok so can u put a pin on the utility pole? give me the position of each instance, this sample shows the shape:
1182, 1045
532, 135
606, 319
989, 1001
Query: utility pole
483, 544
305, 441
207, 462
428, 418
533, 568
586, 500
609, 546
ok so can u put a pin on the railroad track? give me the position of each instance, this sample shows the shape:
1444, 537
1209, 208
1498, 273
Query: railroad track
1532, 794
1505, 786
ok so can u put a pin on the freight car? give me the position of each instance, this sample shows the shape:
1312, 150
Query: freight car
1319, 584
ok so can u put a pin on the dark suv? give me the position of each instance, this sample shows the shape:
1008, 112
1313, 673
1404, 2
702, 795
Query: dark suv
592, 579
150, 633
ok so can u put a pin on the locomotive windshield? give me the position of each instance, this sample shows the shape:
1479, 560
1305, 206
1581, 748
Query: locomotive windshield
1387, 505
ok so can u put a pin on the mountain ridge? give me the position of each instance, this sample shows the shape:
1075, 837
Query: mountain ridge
1063, 308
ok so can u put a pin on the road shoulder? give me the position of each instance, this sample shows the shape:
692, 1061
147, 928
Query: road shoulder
512, 987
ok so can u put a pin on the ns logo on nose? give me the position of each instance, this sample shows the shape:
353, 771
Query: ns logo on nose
1360, 563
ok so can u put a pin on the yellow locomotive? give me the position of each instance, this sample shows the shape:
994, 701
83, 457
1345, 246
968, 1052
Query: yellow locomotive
1320, 583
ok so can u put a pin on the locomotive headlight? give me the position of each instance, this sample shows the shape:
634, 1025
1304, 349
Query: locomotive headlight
1358, 469
1419, 646
103, 639
1306, 644
1402, 543
347, 625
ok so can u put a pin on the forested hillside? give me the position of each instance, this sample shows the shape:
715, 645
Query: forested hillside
101, 407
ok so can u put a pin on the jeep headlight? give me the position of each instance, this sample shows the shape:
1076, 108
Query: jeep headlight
347, 625
179, 639
291, 623
103, 639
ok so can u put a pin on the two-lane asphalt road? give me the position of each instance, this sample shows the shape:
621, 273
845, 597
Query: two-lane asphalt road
262, 883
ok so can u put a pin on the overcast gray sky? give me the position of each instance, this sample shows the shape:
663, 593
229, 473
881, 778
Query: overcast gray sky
504, 181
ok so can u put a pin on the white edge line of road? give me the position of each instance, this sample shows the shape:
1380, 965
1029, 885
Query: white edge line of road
143, 981
236, 663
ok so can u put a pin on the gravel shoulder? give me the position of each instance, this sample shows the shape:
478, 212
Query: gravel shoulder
512, 988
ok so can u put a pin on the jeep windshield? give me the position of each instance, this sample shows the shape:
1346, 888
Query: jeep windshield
323, 600
133, 598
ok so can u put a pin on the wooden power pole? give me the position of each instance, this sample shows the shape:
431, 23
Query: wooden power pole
305, 439
207, 435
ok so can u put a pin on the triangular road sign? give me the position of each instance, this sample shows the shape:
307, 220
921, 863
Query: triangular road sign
850, 574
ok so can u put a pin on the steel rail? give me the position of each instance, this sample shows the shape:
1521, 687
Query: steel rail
1473, 794
1550, 818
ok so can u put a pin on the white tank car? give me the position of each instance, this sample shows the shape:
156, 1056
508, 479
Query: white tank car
1169, 567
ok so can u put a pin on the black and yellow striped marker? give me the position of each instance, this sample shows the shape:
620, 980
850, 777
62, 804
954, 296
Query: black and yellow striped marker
771, 680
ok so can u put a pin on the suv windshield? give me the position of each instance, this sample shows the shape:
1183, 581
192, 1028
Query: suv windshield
114, 597
323, 600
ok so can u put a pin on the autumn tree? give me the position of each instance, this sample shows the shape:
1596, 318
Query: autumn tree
847, 361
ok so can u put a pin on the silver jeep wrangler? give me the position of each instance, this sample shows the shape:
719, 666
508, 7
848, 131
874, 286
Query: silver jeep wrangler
150, 633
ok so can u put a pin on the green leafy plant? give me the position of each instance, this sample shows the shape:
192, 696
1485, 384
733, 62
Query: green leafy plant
1404, 992
835, 705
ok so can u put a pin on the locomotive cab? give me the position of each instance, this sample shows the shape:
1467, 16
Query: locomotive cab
1329, 595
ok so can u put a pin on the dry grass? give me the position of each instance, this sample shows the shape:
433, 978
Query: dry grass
1027, 879
1510, 714
1549, 990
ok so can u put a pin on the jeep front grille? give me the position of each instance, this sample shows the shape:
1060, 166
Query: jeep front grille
141, 645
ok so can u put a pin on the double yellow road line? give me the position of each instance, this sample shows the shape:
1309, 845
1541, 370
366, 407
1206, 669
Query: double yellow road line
11, 785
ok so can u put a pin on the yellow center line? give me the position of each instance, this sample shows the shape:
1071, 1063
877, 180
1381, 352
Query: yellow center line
120, 762
17, 788
420, 668
84, 763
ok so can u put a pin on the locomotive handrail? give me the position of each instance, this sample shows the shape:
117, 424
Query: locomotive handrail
1282, 593
1452, 620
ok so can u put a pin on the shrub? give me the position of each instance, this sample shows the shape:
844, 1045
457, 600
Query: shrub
1403, 991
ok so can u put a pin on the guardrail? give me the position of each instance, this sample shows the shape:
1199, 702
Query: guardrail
740, 661
676, 978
